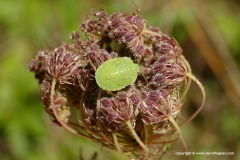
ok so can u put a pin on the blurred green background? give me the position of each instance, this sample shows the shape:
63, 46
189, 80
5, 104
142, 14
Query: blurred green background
207, 30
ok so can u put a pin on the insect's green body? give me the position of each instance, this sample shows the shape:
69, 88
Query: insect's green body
115, 74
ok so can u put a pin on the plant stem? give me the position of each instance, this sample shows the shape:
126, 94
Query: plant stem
147, 31
171, 119
188, 69
203, 96
146, 135
54, 109
116, 143
144, 147
98, 101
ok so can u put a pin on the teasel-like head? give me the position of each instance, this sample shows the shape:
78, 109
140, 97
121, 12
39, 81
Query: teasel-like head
138, 114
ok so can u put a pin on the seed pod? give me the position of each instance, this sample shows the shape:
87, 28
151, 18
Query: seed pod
117, 73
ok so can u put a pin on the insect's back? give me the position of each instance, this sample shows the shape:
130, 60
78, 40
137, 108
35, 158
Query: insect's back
117, 73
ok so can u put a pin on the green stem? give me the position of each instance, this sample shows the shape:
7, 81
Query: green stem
171, 119
189, 79
146, 135
144, 147
203, 97
54, 109
116, 143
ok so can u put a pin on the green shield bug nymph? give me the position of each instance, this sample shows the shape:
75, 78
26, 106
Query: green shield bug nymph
115, 74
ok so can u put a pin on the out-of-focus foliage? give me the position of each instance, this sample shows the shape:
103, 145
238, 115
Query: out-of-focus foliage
208, 32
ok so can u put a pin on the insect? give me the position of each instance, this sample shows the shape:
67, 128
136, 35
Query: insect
117, 73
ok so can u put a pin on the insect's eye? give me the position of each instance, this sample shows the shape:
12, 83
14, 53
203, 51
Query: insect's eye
115, 74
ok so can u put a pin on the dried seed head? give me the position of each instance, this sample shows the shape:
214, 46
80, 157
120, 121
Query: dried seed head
96, 25
115, 112
127, 28
157, 108
121, 105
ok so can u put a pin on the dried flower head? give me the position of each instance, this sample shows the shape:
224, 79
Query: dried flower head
137, 117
